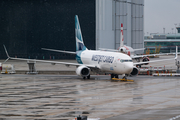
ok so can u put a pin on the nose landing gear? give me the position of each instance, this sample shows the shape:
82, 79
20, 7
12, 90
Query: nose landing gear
114, 76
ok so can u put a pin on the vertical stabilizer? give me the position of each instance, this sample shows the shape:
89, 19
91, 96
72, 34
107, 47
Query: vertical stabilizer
79, 40
121, 37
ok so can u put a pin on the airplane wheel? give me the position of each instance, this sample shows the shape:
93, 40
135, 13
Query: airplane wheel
84, 78
88, 77
116, 76
112, 76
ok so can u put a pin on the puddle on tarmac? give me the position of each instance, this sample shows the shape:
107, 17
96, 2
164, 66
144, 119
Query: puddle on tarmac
10, 115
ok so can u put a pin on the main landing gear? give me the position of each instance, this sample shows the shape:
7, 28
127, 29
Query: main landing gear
88, 77
114, 76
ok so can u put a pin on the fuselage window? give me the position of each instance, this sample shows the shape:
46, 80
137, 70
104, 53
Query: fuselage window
125, 60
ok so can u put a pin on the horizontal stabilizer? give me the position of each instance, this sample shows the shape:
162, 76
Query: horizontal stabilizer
139, 49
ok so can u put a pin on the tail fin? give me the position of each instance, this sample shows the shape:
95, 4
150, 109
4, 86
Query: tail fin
79, 40
121, 37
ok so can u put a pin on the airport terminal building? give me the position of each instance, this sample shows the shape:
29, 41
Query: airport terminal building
27, 26
165, 42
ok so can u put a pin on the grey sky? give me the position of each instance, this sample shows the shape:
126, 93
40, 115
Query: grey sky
159, 14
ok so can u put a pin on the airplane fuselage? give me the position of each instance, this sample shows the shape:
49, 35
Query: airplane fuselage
117, 63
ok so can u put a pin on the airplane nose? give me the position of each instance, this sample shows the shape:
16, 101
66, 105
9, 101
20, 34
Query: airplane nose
128, 67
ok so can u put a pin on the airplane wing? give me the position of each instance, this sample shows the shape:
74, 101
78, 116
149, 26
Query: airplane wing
69, 52
141, 56
52, 62
176, 56
140, 63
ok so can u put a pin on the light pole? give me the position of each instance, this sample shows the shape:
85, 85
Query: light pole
175, 30
172, 30
164, 30
175, 27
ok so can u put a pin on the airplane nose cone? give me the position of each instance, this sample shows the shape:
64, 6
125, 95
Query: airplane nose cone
128, 67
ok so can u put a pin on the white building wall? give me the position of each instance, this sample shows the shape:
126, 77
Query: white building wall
109, 16
104, 32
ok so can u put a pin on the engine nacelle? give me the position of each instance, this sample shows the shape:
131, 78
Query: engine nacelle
122, 49
134, 71
83, 71
144, 59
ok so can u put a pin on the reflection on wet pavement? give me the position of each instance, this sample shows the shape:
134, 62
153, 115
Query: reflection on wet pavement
50, 97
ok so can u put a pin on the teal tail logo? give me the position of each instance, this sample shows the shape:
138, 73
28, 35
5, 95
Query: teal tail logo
79, 40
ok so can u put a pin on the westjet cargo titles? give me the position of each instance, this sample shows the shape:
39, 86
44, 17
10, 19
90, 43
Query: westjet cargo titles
102, 58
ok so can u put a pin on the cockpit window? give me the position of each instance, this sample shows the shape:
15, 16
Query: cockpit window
125, 60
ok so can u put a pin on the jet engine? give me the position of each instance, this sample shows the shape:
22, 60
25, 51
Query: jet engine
144, 59
122, 49
134, 71
83, 71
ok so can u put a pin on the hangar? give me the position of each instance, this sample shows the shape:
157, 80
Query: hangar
27, 26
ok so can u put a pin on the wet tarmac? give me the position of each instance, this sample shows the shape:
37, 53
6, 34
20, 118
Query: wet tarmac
67, 96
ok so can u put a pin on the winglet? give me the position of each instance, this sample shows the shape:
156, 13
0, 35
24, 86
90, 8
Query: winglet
6, 51
6, 54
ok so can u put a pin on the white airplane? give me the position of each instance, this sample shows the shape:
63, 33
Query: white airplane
131, 52
114, 63
123, 48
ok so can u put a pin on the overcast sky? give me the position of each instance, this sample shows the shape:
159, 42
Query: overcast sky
159, 14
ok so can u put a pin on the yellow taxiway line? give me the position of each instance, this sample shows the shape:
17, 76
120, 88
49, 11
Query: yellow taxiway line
124, 80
